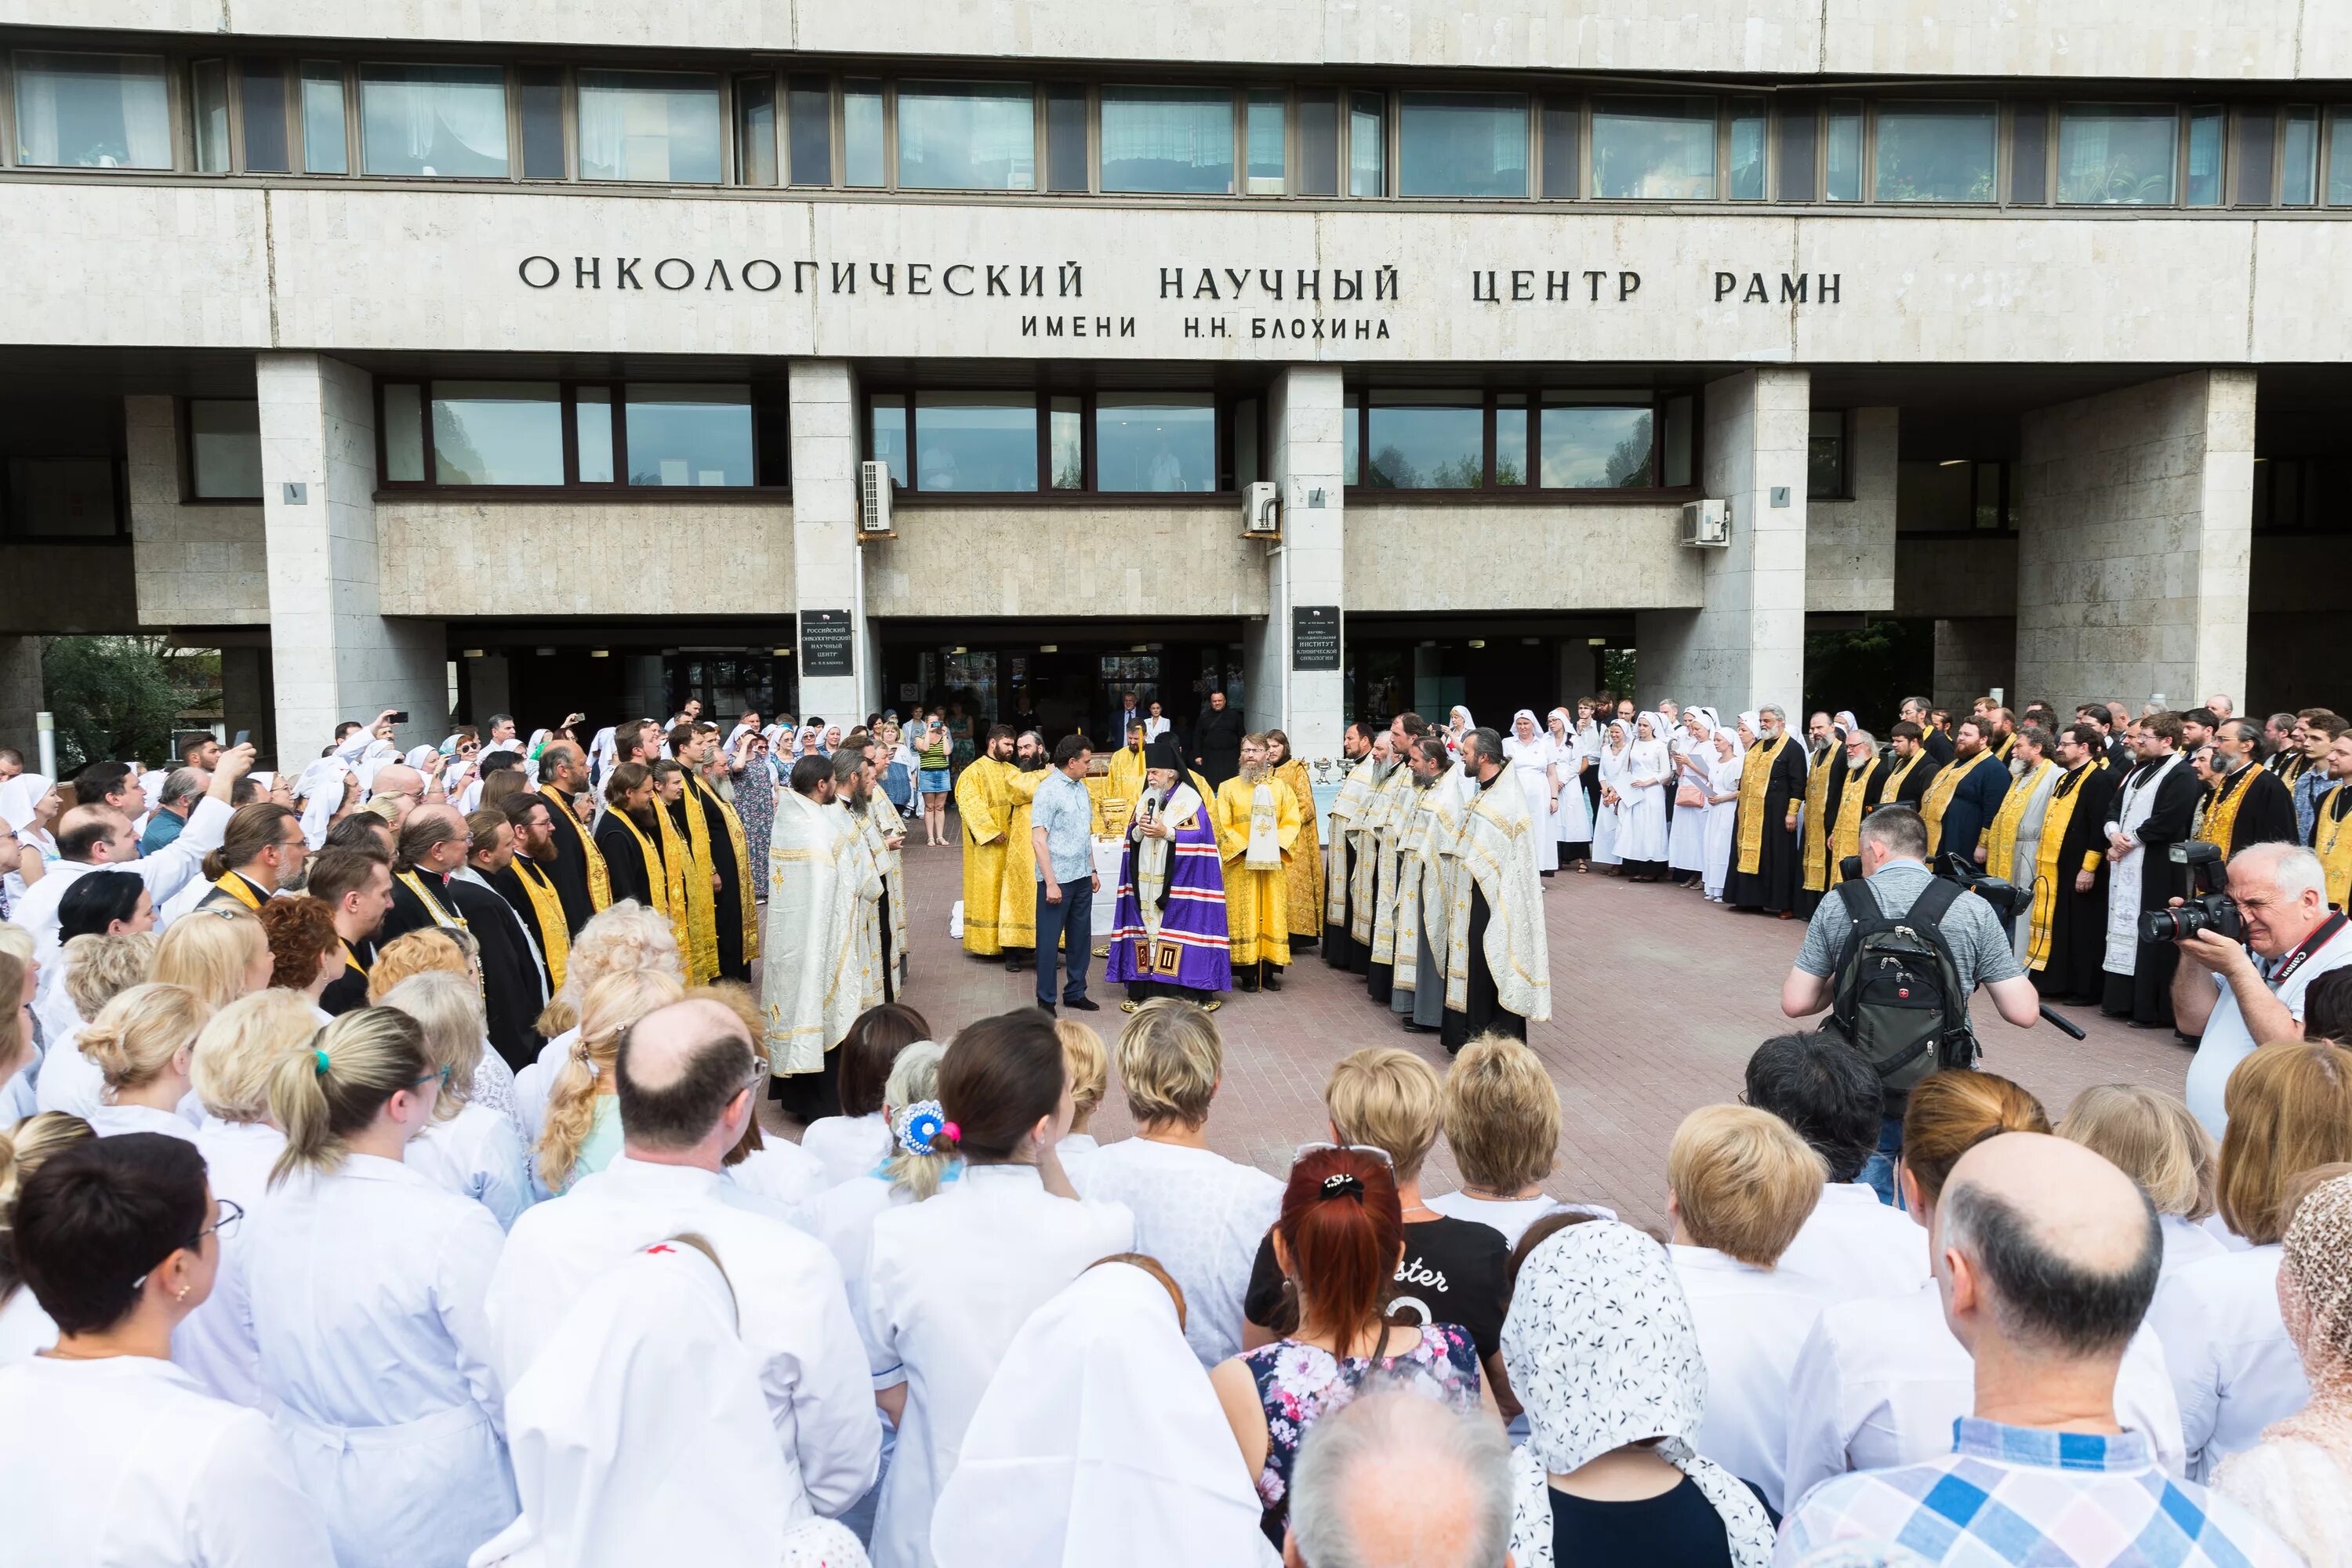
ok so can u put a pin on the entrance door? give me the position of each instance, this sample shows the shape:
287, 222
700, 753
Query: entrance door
1062, 688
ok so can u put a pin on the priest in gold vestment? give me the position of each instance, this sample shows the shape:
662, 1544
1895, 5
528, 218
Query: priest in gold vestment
985, 807
1257, 824
1303, 873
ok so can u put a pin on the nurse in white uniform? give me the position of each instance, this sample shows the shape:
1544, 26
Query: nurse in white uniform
1609, 823
1571, 822
144, 1042
951, 1281
367, 1282
1528, 753
109, 1453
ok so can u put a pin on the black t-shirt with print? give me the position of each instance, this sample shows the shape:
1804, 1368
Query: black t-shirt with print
1454, 1272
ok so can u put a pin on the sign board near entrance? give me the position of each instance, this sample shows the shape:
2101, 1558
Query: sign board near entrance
825, 643
1315, 637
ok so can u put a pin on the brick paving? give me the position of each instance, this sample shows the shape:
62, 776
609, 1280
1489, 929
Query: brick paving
1657, 999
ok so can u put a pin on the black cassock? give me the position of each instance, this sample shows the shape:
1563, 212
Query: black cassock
511, 977
2267, 815
1341, 948
2145, 995
1780, 871
2078, 922
631, 871
727, 908
1833, 757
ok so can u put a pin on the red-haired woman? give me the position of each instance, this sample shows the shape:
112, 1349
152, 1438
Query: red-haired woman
1338, 1241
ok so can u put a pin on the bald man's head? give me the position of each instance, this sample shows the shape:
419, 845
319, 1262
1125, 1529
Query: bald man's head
678, 1071
2065, 1246
1399, 1478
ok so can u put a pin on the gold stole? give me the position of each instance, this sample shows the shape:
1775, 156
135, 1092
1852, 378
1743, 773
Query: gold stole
2221, 812
1892, 790
237, 887
554, 936
691, 916
1847, 838
2334, 844
1817, 828
1940, 796
600, 881
2063, 798
2000, 840
668, 892
2002, 750
1755, 783
442, 914
709, 799
2294, 768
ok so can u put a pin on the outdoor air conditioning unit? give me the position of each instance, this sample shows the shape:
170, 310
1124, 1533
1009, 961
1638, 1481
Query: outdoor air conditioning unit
873, 501
1262, 511
1706, 525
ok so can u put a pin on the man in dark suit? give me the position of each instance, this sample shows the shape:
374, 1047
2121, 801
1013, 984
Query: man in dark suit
1217, 740
514, 986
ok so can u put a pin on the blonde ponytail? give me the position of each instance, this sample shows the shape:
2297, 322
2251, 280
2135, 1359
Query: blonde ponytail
135, 1037
612, 1006
321, 1096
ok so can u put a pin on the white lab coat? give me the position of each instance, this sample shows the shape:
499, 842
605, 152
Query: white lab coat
69, 1080
1642, 821
780, 1171
847, 1146
2233, 1367
794, 1312
1530, 766
25, 1330
476, 1154
367, 1287
1751, 1323
1202, 1217
950, 1282
1853, 1245
1880, 1382
215, 1342
126, 1460
841, 1217
112, 1120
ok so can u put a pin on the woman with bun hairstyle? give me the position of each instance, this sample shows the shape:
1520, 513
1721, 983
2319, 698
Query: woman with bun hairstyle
97, 970
949, 1280
144, 1044
367, 1282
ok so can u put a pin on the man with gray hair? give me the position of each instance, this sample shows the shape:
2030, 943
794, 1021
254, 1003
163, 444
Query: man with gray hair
2046, 1257
182, 787
1397, 1480
1938, 745
2235, 995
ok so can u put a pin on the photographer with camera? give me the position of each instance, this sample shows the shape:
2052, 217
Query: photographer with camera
2246, 959
1895, 956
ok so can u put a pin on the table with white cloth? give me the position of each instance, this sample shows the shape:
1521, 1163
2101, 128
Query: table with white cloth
1105, 909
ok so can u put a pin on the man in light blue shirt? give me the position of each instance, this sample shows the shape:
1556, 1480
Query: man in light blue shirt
1061, 829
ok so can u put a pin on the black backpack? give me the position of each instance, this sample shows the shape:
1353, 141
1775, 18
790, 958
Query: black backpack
1897, 997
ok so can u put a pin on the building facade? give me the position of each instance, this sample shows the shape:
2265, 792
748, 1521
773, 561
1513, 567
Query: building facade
530, 358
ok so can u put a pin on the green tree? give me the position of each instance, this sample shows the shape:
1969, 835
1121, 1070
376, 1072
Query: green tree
1869, 668
115, 696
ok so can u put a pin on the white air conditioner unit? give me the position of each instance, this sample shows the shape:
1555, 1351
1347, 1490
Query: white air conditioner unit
1262, 511
873, 501
1706, 525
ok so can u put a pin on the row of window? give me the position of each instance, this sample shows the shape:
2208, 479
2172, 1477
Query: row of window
1549, 440
268, 115
546, 434
1115, 443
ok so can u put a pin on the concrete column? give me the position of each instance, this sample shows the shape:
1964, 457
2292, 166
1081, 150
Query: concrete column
1850, 542
20, 695
827, 571
334, 655
1306, 412
1746, 646
2135, 534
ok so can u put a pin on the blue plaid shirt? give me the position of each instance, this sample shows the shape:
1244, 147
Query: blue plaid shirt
2008, 1496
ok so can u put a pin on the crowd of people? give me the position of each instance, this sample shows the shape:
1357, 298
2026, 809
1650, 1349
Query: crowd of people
384, 1178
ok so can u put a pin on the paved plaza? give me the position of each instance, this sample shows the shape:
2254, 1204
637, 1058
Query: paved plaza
1657, 999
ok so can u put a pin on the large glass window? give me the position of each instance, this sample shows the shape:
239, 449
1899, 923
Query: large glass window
2257, 170
2339, 161
324, 146
755, 129
433, 120
2206, 127
1065, 442
1462, 144
1156, 441
656, 126
208, 86
1825, 465
223, 449
1427, 441
808, 128
1319, 144
1841, 159
92, 112
263, 86
592, 424
976, 441
687, 434
403, 433
1368, 144
1562, 130
498, 433
1065, 137
2120, 154
2029, 154
1268, 111
970, 136
540, 89
861, 134
1590, 445
1511, 466
2299, 157
1800, 133
1173, 139
1935, 151
1748, 122
1654, 149
885, 441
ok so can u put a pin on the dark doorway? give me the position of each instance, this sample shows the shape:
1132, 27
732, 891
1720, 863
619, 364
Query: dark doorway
1057, 684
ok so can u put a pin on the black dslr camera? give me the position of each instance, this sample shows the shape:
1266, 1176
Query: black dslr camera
2203, 905
2007, 899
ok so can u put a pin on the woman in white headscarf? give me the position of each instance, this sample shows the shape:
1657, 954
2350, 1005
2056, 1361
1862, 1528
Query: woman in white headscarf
1458, 723
1723, 764
1527, 754
1648, 776
1604, 1358
640, 1435
1691, 748
1100, 1425
29, 805
1616, 743
1571, 823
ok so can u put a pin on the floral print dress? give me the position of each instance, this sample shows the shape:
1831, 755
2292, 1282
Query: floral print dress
1297, 1384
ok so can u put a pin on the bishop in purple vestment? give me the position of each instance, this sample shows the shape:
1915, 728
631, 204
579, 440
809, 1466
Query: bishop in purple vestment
1170, 936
